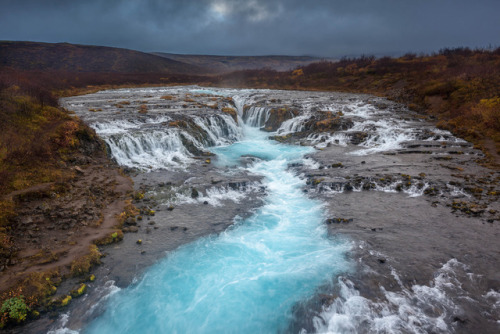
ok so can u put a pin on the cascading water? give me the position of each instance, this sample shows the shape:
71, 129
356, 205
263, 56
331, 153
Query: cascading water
256, 116
139, 149
151, 145
265, 270
248, 279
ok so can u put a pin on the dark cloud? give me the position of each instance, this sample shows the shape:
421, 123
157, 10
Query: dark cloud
257, 27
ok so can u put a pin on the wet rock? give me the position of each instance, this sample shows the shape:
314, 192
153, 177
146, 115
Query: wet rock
131, 221
277, 116
476, 211
348, 187
194, 193
460, 319
368, 186
235, 185
357, 138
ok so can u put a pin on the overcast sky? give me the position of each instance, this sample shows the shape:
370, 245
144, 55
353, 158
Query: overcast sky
328, 28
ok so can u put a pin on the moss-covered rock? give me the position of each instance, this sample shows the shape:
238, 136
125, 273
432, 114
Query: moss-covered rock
79, 291
83, 264
111, 238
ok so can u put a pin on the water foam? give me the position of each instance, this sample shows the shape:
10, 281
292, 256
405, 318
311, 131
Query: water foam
334, 188
63, 320
417, 309
214, 196
103, 293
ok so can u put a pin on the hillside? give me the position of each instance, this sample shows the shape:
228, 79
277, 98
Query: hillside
224, 64
85, 58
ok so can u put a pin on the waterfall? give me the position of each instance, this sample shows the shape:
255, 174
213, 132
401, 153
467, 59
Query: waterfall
239, 103
295, 124
150, 150
154, 144
220, 129
257, 116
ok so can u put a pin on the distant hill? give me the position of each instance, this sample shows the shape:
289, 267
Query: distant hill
35, 56
225, 64
86, 58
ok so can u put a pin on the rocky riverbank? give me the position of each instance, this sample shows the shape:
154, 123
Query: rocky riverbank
424, 223
56, 226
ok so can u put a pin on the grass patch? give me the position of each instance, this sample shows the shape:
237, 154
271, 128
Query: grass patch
82, 265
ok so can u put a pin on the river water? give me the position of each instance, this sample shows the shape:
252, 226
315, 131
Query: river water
264, 273
247, 279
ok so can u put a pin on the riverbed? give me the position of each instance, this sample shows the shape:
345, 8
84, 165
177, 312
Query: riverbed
282, 211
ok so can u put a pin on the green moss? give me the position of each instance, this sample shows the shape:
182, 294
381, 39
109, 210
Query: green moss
111, 238
317, 181
75, 293
65, 301
138, 196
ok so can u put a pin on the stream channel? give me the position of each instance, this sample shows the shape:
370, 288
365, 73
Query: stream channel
282, 211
